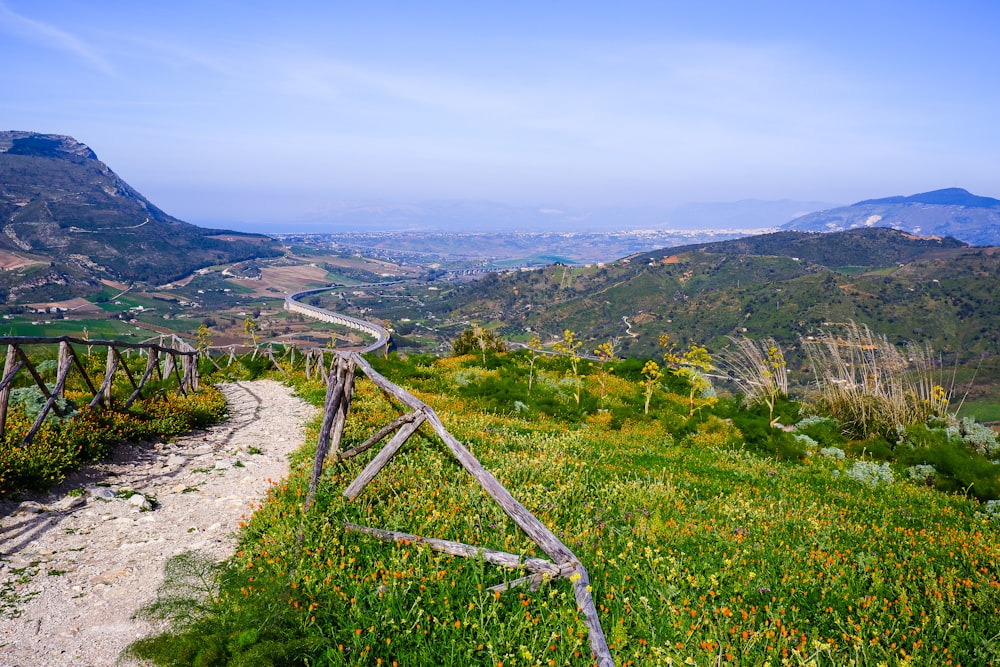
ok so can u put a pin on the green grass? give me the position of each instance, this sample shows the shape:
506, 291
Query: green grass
984, 410
98, 328
699, 551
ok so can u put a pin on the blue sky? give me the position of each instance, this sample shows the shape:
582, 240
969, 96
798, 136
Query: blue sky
226, 111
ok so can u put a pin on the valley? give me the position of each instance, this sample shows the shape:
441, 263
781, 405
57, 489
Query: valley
789, 285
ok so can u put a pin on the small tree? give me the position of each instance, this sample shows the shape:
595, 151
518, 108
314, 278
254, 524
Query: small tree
204, 339
570, 346
693, 366
251, 329
477, 339
651, 374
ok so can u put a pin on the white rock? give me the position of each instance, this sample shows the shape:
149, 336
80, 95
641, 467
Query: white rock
68, 503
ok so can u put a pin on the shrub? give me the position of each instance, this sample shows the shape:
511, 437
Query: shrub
875, 447
477, 340
958, 468
755, 425
922, 474
806, 441
60, 446
32, 400
981, 438
824, 430
871, 474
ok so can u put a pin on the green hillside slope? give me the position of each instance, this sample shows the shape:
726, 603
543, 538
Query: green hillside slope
59, 202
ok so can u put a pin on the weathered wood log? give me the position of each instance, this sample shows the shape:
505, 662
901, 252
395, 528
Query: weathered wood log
57, 390
63, 356
181, 386
157, 365
513, 561
535, 529
382, 458
10, 369
168, 366
270, 355
208, 355
585, 603
111, 365
377, 438
186, 374
343, 409
334, 395
532, 581
151, 363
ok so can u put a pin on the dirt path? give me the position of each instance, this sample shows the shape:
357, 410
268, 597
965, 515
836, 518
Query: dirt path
75, 568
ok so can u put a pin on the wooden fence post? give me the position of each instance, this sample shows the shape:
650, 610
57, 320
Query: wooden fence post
104, 393
63, 356
331, 407
343, 408
169, 364
8, 369
49, 404
151, 363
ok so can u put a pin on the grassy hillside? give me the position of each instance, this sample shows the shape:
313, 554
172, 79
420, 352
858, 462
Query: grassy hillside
702, 548
788, 285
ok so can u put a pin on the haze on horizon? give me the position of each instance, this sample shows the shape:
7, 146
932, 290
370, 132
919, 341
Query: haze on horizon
221, 111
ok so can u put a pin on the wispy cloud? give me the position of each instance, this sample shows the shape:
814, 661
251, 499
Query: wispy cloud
51, 36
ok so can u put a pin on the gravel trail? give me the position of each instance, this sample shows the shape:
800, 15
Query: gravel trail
75, 568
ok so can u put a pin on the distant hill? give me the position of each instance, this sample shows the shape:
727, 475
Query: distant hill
867, 247
786, 285
62, 206
950, 212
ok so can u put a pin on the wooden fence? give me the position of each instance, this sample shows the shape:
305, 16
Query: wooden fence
176, 359
563, 563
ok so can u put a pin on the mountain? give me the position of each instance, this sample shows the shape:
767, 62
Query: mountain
950, 212
62, 206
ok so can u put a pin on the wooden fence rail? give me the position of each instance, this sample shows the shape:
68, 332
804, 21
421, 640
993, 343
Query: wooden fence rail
564, 563
176, 359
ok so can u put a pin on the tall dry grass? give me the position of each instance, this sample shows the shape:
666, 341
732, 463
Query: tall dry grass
758, 369
872, 386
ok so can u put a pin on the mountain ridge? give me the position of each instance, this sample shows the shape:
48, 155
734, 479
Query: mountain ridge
59, 201
951, 212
